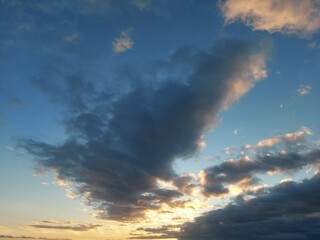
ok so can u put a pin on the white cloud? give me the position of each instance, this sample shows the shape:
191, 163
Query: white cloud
304, 90
123, 42
285, 16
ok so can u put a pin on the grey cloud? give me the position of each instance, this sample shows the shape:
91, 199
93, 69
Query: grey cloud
166, 232
232, 172
185, 183
72, 89
286, 211
78, 227
118, 146
28, 237
10, 98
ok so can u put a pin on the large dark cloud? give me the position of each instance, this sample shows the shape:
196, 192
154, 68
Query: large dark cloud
119, 144
287, 211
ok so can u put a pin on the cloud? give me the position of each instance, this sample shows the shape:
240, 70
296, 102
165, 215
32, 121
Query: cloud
124, 42
72, 37
164, 232
119, 144
286, 211
72, 227
28, 237
11, 99
282, 154
285, 16
142, 5
304, 90
185, 182
296, 138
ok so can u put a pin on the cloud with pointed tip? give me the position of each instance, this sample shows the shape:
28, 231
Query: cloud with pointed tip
119, 145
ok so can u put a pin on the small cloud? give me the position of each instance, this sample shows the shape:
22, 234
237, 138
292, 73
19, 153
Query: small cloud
201, 143
235, 132
304, 90
9, 148
142, 5
11, 99
229, 151
72, 37
314, 45
124, 42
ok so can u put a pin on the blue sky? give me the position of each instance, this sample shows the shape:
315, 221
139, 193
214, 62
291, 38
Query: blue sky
143, 119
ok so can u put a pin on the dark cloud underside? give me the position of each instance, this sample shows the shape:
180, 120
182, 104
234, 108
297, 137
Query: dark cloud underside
287, 211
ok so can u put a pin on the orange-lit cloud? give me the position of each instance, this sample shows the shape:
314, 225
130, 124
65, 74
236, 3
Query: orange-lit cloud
285, 16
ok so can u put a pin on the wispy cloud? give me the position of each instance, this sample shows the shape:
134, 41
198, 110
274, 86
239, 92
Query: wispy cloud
304, 90
29, 237
66, 226
164, 232
285, 16
124, 42
296, 138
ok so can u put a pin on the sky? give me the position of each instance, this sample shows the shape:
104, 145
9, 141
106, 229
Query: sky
169, 119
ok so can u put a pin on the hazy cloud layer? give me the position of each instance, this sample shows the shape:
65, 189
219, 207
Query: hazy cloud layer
281, 154
285, 16
287, 211
88, 7
119, 144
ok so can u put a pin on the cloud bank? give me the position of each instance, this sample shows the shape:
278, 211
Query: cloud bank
285, 16
118, 145
286, 211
